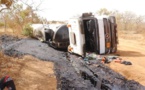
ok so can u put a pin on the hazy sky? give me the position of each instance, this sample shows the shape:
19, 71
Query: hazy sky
64, 9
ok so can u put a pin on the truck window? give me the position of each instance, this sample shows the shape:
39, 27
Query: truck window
73, 38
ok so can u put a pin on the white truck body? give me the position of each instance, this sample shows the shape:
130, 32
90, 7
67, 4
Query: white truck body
77, 38
92, 34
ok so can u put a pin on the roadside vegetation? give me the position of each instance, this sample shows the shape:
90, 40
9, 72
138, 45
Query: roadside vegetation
27, 30
128, 23
17, 17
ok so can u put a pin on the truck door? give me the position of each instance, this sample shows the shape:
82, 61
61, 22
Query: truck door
76, 36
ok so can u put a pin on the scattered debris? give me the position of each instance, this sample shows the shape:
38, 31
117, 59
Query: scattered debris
115, 59
126, 63
105, 59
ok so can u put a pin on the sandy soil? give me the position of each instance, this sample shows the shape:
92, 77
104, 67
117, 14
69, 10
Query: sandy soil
134, 51
29, 73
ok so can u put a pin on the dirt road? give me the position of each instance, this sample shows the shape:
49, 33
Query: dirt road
134, 51
70, 70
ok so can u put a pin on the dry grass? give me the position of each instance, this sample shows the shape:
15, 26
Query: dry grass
9, 31
129, 35
5, 65
133, 36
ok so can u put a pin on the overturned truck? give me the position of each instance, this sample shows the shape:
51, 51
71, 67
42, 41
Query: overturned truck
90, 33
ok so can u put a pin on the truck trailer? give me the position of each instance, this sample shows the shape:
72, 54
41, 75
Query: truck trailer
56, 35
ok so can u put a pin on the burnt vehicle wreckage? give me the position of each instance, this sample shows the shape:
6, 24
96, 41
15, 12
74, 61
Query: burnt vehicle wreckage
83, 34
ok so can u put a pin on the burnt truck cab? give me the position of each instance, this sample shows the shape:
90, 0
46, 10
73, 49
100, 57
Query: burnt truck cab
90, 33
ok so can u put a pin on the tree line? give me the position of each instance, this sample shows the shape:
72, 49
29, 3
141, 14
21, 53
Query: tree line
127, 20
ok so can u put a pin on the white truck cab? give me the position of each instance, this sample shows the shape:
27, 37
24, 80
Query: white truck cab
90, 33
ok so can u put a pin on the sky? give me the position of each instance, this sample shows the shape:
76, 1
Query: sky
64, 9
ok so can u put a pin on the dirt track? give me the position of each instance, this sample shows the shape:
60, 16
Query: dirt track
69, 73
134, 51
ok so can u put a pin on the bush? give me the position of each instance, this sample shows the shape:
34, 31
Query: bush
27, 30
